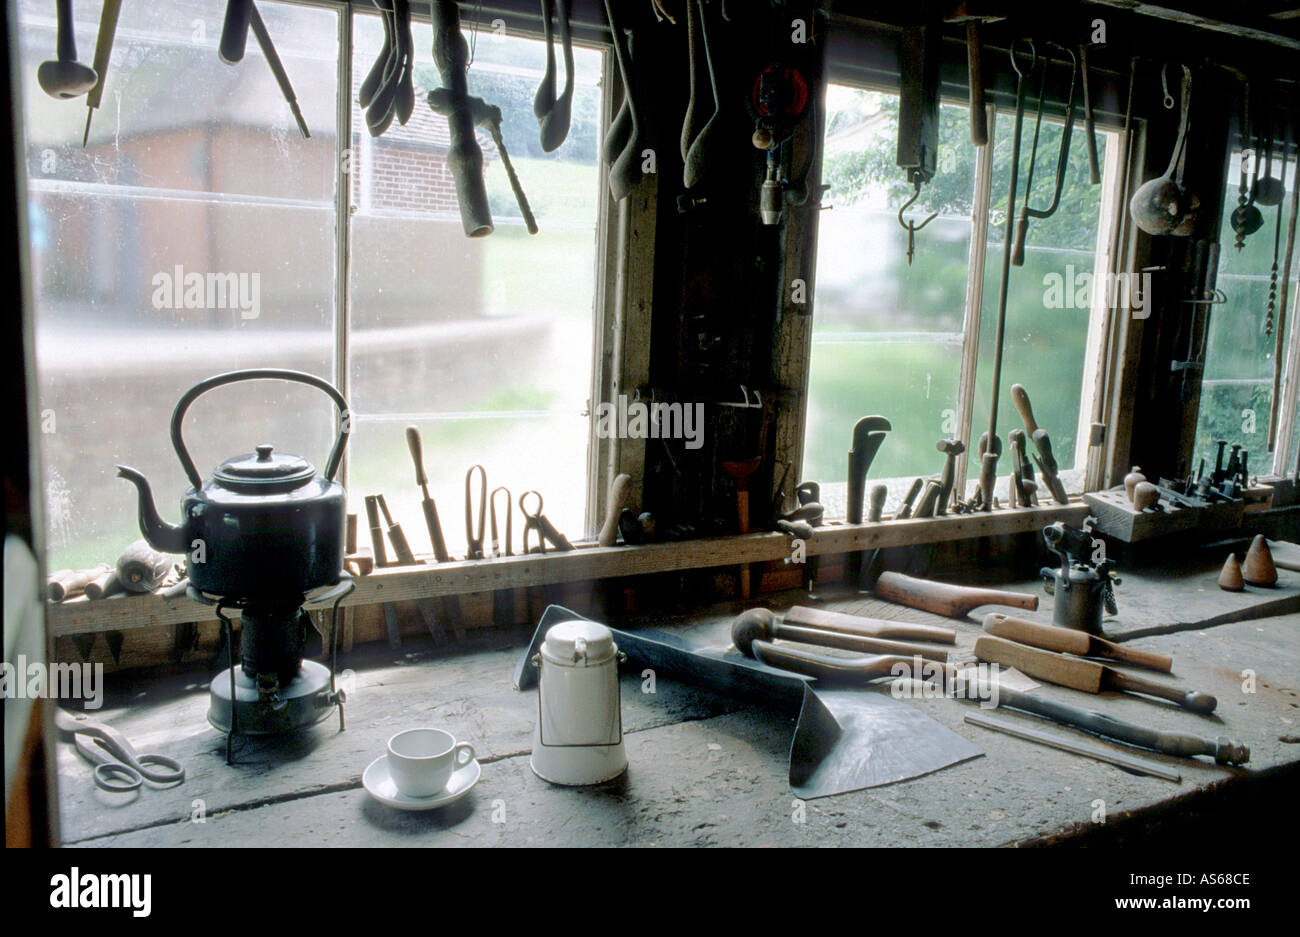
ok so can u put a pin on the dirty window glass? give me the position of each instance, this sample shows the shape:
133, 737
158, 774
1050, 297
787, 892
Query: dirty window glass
192, 234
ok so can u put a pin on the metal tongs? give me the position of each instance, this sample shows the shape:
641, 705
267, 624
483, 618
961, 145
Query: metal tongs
1062, 159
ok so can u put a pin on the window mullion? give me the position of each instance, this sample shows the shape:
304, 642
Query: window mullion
974, 296
342, 212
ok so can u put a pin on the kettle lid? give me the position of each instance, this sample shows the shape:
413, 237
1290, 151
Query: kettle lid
579, 643
265, 470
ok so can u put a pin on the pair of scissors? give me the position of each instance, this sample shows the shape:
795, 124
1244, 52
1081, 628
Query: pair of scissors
118, 768
545, 529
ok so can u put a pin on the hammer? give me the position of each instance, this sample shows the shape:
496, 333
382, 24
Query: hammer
951, 448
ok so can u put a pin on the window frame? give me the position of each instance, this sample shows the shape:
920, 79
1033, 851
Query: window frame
1097, 376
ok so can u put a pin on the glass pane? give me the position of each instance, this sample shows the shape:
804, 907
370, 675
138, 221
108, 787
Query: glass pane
1238, 385
1049, 298
192, 235
484, 343
887, 337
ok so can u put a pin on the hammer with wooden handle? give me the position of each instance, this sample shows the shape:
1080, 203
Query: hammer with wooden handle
1070, 641
1086, 675
1020, 397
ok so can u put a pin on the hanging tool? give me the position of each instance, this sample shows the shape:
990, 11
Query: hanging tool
918, 117
103, 52
272, 57
974, 15
400, 546
1246, 218
1089, 127
1161, 205
1277, 246
536, 520
694, 120
709, 143
1281, 329
777, 103
555, 122
910, 226
234, 31
625, 171
464, 157
1062, 160
488, 116
472, 536
992, 446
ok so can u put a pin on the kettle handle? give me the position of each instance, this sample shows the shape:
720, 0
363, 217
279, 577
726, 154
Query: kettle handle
254, 374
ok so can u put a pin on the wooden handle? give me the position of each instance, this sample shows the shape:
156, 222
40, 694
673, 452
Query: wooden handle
867, 627
376, 531
988, 478
945, 599
106, 585
234, 32
1035, 634
876, 504
414, 443
69, 583
1018, 245
852, 642
1020, 397
1084, 675
851, 670
613, 507
979, 127
1069, 641
1202, 703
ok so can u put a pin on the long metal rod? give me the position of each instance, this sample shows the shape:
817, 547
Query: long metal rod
343, 162
1279, 327
1060, 742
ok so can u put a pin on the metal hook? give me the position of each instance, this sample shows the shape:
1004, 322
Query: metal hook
911, 226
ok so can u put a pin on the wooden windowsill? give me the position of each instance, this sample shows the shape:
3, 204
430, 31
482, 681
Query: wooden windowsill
587, 562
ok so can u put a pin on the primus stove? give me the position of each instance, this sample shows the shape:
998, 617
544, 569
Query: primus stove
264, 536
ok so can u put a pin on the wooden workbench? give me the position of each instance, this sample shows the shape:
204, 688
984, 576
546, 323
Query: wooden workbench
704, 769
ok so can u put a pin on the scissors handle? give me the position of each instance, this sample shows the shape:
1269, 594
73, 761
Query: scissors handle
107, 749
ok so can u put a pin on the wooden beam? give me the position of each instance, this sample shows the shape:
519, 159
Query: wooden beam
588, 562
1259, 31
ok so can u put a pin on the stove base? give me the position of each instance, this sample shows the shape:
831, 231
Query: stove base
304, 702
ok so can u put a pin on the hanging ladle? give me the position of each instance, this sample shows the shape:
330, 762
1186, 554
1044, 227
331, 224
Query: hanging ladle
65, 77
1160, 204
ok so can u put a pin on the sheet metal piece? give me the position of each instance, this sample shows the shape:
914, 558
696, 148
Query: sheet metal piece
845, 739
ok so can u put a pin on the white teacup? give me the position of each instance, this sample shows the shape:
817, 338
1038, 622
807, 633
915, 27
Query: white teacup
421, 761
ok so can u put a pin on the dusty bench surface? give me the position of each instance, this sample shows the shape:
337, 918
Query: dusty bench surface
705, 769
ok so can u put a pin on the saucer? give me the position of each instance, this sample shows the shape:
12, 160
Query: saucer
380, 786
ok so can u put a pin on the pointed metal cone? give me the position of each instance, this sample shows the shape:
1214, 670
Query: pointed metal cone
1258, 569
1230, 578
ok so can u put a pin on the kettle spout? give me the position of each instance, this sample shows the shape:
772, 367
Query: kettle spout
160, 534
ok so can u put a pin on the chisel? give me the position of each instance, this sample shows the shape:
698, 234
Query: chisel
376, 531
1086, 675
103, 52
414, 443
400, 546
1069, 641
1062, 743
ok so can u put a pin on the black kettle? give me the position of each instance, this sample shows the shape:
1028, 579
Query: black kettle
265, 525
